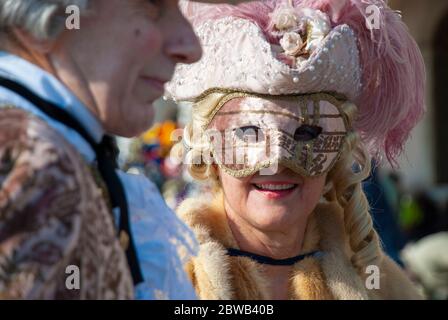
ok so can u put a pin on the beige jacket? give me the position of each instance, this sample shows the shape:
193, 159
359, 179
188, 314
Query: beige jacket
331, 276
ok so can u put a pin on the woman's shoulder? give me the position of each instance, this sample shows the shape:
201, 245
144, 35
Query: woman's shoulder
394, 283
194, 208
206, 216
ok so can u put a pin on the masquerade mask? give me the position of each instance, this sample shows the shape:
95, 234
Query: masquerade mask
250, 133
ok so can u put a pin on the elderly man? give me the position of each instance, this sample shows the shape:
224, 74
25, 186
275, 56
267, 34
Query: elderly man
71, 224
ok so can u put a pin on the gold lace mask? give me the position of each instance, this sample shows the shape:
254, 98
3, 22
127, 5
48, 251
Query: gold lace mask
250, 132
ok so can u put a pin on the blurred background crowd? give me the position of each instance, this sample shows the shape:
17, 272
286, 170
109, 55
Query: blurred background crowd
409, 205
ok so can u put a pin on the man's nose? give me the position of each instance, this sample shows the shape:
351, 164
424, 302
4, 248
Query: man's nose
184, 46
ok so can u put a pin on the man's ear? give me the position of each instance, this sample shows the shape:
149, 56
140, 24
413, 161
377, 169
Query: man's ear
36, 51
31, 44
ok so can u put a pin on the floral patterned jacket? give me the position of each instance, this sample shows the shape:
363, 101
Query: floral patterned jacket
53, 214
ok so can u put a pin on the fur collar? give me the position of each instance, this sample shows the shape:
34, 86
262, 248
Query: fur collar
218, 276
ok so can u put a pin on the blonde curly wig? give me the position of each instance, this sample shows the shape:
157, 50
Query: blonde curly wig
346, 179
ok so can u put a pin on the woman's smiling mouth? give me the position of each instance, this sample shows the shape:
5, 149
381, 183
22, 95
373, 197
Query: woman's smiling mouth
275, 190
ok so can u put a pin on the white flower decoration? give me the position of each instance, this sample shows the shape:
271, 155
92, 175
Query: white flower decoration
284, 18
291, 42
318, 27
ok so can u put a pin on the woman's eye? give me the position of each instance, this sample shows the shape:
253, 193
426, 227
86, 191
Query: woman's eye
249, 133
307, 132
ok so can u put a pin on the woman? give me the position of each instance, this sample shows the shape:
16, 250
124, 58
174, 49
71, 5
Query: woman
71, 226
288, 100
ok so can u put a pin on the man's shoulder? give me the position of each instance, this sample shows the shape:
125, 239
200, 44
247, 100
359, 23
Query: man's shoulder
13, 122
37, 165
52, 208
26, 133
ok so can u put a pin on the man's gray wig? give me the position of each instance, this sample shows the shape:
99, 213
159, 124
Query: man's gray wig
44, 19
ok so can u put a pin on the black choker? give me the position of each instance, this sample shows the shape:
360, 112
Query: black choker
271, 261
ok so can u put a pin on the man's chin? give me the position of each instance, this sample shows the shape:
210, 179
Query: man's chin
132, 119
130, 129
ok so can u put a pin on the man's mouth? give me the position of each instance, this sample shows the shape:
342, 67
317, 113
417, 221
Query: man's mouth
156, 83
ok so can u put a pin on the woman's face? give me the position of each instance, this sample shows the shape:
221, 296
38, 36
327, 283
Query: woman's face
292, 135
272, 203
124, 53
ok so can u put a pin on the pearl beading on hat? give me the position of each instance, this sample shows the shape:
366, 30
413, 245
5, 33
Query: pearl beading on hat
238, 56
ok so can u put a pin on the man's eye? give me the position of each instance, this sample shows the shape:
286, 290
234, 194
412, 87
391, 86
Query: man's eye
249, 133
307, 132
154, 7
155, 2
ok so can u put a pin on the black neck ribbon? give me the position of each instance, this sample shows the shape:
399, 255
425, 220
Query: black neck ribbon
271, 261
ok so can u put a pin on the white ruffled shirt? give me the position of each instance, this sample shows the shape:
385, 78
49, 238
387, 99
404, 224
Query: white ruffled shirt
163, 242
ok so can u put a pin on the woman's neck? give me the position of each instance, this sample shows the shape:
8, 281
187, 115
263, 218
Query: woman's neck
274, 244
277, 244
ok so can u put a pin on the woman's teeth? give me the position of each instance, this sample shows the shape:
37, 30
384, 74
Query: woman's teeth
275, 187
